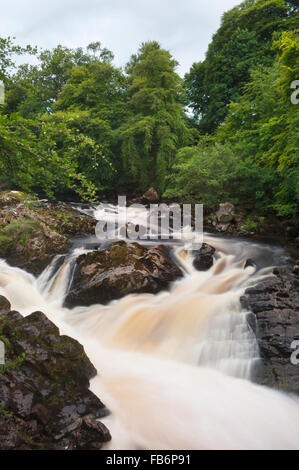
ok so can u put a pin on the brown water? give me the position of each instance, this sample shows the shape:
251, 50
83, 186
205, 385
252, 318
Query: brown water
174, 368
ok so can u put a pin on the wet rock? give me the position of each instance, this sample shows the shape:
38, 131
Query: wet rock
250, 263
226, 213
45, 401
204, 258
32, 248
296, 268
4, 305
119, 270
11, 198
151, 196
30, 237
275, 303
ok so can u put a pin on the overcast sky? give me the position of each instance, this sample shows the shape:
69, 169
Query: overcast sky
184, 27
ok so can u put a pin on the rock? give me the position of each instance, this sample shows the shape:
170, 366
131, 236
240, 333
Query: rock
226, 213
11, 198
119, 270
151, 196
31, 246
296, 269
204, 258
4, 305
250, 263
275, 303
31, 237
44, 389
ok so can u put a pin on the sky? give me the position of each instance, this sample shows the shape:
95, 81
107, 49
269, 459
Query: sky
184, 27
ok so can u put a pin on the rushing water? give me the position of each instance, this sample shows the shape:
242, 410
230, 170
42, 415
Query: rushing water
174, 368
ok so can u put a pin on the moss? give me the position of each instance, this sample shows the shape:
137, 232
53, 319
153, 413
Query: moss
6, 414
21, 229
251, 224
13, 198
15, 364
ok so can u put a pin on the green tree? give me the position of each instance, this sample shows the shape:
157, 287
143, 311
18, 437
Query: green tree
213, 172
34, 89
155, 128
98, 93
202, 174
8, 51
263, 125
32, 158
243, 41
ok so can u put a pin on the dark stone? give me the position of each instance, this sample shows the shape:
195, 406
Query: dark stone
45, 401
250, 263
296, 270
119, 270
151, 196
275, 303
204, 258
4, 305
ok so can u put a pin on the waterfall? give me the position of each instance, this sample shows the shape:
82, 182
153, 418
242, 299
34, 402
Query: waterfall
174, 368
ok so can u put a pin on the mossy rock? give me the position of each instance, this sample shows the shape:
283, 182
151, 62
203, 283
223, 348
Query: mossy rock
119, 270
45, 401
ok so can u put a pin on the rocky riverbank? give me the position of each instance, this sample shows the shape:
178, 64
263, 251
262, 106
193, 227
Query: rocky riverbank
32, 232
238, 221
275, 305
45, 401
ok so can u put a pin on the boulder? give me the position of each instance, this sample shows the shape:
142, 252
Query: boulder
31, 237
44, 389
204, 258
151, 196
275, 303
226, 213
119, 270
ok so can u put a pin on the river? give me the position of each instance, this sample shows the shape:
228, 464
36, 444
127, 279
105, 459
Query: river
175, 368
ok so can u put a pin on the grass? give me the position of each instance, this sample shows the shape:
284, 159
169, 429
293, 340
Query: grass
18, 231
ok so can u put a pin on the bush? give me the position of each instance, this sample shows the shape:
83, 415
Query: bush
203, 174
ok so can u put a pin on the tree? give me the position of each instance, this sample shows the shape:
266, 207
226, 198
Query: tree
81, 93
263, 126
96, 98
8, 49
202, 174
32, 158
155, 128
33, 89
243, 41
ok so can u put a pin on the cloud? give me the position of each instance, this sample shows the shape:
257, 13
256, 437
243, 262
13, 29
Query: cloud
183, 27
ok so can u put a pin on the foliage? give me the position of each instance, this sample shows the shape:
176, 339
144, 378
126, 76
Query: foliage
155, 128
32, 160
242, 42
8, 50
202, 174
263, 125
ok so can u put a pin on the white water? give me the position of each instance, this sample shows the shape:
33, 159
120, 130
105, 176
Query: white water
174, 367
